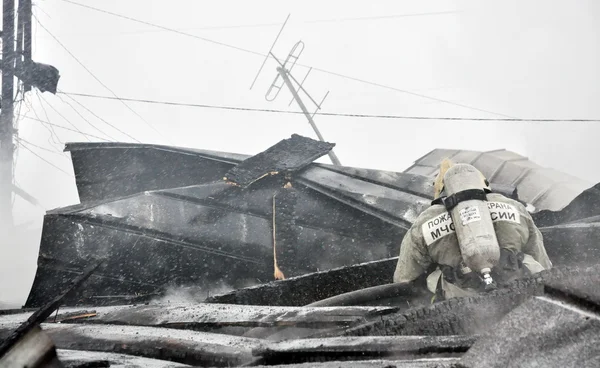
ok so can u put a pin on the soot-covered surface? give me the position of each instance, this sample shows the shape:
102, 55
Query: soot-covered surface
285, 157
186, 226
542, 332
91, 359
306, 289
182, 346
362, 348
210, 317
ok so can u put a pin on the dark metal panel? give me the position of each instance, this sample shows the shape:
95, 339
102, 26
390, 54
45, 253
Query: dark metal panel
197, 235
118, 172
414, 184
286, 156
586, 205
396, 207
572, 244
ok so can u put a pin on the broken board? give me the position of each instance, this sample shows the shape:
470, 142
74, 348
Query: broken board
287, 156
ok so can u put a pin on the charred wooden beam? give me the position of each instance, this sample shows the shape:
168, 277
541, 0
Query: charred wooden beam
187, 347
89, 359
41, 314
306, 289
363, 348
206, 317
558, 329
34, 350
286, 156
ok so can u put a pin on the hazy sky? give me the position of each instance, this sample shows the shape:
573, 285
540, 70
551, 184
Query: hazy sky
525, 59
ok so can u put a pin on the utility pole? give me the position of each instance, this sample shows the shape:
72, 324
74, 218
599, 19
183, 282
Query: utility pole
284, 75
6, 116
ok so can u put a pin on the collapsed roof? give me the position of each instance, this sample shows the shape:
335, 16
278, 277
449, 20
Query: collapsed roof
162, 216
165, 216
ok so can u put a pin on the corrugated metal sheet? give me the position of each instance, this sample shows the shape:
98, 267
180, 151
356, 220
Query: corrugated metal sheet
544, 188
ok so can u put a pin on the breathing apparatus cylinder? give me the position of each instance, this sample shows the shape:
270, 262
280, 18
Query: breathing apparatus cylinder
466, 202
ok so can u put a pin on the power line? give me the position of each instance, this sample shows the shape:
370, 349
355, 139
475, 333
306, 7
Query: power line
99, 118
163, 27
61, 115
96, 78
43, 159
84, 118
53, 133
304, 65
49, 129
62, 154
390, 16
273, 24
376, 116
65, 128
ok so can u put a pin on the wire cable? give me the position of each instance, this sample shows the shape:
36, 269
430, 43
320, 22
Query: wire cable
304, 65
43, 159
61, 115
53, 133
97, 79
65, 128
61, 154
273, 24
99, 118
371, 116
84, 118
48, 128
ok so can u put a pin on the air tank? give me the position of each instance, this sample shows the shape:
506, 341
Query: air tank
472, 220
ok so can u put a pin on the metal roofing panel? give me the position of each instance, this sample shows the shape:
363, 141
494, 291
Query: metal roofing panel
428, 171
434, 157
394, 206
406, 182
511, 171
509, 168
466, 156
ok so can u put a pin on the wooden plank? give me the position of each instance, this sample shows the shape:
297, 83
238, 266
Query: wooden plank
363, 348
211, 316
35, 349
187, 347
309, 288
78, 358
41, 314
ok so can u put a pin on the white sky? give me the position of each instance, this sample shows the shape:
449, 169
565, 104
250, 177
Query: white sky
526, 59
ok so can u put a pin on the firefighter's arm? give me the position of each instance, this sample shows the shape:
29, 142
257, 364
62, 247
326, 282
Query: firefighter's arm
535, 245
414, 258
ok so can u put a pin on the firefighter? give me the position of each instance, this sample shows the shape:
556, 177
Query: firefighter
471, 239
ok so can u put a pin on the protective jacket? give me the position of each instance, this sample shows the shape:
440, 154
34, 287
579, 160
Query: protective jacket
432, 241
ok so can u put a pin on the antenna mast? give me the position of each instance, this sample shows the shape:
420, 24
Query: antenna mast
285, 77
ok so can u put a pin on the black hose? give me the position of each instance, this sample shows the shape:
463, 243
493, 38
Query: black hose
367, 295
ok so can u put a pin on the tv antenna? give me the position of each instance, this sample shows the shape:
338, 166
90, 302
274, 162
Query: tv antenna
284, 77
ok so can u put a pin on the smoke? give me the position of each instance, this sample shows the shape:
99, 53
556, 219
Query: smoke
191, 294
532, 59
18, 256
